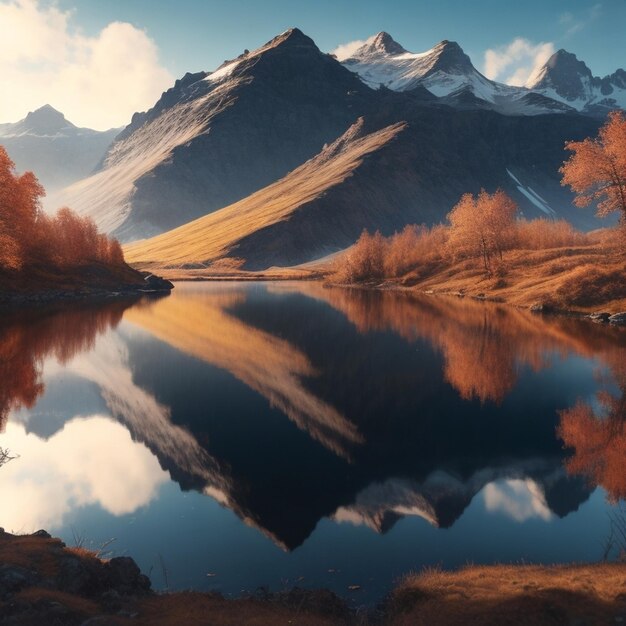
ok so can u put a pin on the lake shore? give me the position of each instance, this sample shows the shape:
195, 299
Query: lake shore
92, 282
43, 581
570, 281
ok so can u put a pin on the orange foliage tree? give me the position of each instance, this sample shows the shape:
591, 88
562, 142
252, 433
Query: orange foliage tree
596, 171
29, 237
482, 226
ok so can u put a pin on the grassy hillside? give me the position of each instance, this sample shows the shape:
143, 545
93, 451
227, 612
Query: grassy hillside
216, 239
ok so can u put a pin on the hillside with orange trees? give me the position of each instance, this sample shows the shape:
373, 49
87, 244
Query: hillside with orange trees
47, 254
486, 251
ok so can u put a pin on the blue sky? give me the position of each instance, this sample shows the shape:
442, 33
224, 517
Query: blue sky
98, 61
200, 34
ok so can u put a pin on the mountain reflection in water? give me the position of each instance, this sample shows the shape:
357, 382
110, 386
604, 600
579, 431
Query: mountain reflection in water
290, 403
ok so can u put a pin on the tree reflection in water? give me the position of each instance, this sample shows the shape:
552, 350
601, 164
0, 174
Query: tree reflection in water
28, 337
597, 436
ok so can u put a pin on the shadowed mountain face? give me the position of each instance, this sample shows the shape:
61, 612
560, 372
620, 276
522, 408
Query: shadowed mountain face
58, 152
290, 404
215, 139
323, 206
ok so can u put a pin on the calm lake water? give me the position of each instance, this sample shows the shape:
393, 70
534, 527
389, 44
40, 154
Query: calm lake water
232, 436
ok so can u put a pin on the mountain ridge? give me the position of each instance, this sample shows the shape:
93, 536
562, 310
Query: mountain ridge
447, 72
57, 151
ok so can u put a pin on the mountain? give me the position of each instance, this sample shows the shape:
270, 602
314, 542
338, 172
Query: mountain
380, 179
288, 222
567, 79
446, 72
57, 151
216, 139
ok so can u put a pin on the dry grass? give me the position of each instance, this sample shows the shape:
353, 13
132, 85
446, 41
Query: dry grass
584, 278
30, 552
501, 594
543, 262
211, 238
512, 594
198, 609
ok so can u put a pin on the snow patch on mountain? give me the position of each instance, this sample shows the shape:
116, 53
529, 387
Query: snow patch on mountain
533, 196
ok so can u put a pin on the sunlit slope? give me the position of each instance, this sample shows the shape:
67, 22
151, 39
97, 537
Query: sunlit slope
215, 138
226, 232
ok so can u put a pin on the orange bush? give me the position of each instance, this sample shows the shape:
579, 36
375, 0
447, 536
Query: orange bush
541, 234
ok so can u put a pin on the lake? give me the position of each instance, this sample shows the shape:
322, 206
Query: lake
238, 435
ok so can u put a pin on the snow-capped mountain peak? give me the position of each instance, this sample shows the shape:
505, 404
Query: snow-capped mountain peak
448, 56
565, 73
43, 122
381, 44
383, 61
567, 79
447, 72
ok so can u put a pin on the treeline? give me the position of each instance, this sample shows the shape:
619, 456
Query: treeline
481, 227
30, 238
485, 226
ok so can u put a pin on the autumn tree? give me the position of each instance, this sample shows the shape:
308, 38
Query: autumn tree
596, 171
29, 237
482, 226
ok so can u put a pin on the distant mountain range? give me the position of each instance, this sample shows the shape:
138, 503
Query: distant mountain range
564, 84
285, 154
56, 150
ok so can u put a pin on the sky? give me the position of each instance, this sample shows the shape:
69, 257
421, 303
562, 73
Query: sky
100, 61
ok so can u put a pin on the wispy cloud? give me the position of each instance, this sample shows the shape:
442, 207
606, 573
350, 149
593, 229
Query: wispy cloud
575, 22
517, 62
346, 50
97, 81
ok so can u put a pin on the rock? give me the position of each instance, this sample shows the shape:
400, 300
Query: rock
126, 577
156, 283
43, 534
13, 578
600, 317
541, 307
619, 319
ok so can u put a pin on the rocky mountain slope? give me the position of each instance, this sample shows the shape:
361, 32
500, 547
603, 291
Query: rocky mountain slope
378, 179
57, 151
216, 139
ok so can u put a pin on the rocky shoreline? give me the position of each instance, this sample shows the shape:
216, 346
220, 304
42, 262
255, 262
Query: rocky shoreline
42, 581
152, 285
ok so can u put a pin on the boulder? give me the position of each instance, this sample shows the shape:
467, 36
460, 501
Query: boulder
600, 317
619, 319
156, 283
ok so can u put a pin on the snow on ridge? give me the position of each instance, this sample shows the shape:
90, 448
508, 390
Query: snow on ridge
533, 196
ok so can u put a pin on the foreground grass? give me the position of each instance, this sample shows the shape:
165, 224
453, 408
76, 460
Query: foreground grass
513, 594
44, 582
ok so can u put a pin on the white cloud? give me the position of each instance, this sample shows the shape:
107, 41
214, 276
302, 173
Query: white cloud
346, 50
575, 23
516, 62
90, 461
97, 81
518, 499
